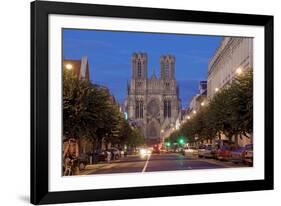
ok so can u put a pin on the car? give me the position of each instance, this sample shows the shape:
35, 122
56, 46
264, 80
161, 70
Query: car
208, 153
83, 161
115, 153
156, 149
205, 151
215, 151
201, 150
100, 156
145, 151
248, 156
190, 151
237, 155
223, 153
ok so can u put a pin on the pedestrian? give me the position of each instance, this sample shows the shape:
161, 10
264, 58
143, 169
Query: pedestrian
108, 157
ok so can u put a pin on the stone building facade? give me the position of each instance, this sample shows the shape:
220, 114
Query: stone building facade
153, 104
79, 67
234, 54
232, 57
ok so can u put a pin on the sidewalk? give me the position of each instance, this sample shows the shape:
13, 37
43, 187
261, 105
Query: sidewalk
94, 167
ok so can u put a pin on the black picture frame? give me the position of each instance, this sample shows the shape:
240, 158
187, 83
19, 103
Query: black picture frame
39, 102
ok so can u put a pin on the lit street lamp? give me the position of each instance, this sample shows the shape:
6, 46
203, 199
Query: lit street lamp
68, 66
239, 71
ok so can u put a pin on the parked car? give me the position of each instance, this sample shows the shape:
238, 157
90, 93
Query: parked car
100, 156
201, 150
215, 150
83, 160
223, 153
205, 151
115, 153
248, 156
190, 151
237, 155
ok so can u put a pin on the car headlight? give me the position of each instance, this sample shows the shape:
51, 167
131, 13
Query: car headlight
143, 151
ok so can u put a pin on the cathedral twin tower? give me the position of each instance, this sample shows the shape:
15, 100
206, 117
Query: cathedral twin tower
153, 104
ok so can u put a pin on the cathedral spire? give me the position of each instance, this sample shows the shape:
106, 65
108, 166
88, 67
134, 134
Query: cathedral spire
167, 66
139, 65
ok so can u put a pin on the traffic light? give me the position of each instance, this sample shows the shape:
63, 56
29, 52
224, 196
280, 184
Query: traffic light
168, 144
181, 140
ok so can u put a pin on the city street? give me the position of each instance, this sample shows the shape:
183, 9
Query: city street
156, 162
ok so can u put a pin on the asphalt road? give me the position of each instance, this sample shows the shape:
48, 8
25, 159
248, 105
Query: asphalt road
156, 162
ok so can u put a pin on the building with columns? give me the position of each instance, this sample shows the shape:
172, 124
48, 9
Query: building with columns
234, 55
153, 103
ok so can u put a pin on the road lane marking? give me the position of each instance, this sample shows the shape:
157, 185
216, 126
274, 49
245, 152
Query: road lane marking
146, 163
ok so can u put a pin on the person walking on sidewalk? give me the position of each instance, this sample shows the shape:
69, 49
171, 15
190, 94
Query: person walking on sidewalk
108, 156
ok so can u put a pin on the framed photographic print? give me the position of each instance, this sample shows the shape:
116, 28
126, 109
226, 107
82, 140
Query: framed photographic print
131, 102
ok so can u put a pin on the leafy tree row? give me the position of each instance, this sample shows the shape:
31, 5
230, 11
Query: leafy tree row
90, 112
229, 112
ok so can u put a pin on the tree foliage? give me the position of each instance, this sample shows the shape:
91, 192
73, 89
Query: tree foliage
230, 112
90, 111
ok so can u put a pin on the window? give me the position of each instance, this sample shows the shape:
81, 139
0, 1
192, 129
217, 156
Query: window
139, 68
167, 109
167, 70
139, 109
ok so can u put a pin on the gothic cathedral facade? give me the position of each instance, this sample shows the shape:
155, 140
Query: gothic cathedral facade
153, 104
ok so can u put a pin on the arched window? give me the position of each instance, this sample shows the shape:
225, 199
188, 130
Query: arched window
139, 68
167, 70
139, 109
167, 109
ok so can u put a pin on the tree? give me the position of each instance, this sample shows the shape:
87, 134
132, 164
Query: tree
89, 111
229, 112
75, 93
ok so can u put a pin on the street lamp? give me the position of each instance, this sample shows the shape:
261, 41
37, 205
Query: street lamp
68, 66
194, 112
202, 104
239, 71
188, 117
216, 89
162, 130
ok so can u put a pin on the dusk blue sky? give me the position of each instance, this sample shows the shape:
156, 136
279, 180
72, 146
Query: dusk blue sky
109, 54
